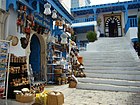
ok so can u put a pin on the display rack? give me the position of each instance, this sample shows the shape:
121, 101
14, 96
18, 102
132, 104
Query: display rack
4, 67
54, 61
18, 75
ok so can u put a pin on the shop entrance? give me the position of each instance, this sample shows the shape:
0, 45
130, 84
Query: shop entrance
113, 28
35, 57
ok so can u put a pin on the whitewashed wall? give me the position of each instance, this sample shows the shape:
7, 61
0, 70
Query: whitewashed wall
132, 33
12, 30
3, 4
66, 4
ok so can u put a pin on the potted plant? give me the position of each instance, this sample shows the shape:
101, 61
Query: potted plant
99, 22
91, 36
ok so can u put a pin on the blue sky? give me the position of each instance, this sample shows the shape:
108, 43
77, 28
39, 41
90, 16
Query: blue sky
95, 2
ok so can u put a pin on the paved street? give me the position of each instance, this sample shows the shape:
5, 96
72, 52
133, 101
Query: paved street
105, 71
91, 97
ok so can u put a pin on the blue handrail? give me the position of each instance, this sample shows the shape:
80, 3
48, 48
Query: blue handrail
131, 22
79, 20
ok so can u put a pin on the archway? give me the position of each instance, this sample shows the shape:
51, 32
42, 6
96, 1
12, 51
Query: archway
113, 27
35, 57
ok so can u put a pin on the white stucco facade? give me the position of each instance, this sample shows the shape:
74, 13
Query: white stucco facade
102, 16
66, 4
3, 4
12, 30
3, 19
132, 33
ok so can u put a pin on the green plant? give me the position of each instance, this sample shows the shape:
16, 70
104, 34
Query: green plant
91, 36
139, 28
99, 21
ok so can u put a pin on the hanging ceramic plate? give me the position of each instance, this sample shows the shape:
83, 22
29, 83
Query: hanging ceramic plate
14, 40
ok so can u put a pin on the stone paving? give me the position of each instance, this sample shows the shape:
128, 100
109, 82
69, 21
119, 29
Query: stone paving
91, 97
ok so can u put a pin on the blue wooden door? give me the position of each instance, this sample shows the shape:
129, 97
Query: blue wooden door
35, 56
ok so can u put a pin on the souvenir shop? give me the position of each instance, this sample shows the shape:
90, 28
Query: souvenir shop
38, 51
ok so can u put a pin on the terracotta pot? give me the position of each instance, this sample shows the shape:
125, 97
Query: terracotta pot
18, 21
27, 30
24, 8
57, 22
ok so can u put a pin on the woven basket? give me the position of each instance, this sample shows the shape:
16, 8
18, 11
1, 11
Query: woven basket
55, 99
24, 99
72, 84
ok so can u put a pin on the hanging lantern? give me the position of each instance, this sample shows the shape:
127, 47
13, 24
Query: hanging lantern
54, 15
47, 10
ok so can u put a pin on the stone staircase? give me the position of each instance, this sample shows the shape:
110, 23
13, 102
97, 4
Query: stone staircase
111, 64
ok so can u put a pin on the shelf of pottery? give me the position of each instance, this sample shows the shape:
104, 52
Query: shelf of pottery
76, 61
18, 75
57, 63
4, 53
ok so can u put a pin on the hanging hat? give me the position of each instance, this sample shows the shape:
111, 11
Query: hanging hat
24, 42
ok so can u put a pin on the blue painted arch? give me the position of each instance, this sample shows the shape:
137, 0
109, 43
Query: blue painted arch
35, 56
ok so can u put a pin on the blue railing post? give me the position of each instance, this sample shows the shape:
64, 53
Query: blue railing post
95, 17
131, 22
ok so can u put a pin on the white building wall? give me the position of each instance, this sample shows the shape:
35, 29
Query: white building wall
17, 50
132, 33
101, 15
3, 4
101, 28
66, 4
132, 12
81, 3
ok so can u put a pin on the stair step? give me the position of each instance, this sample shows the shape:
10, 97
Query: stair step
110, 82
110, 64
108, 58
111, 68
104, 87
114, 72
114, 76
107, 61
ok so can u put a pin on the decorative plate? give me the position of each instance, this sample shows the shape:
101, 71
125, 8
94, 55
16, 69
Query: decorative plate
14, 41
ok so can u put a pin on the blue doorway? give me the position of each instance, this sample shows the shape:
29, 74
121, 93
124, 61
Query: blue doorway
35, 57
